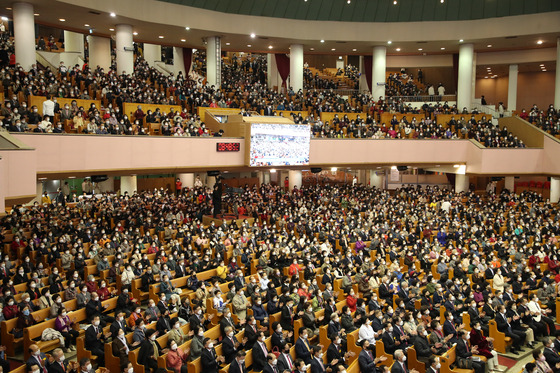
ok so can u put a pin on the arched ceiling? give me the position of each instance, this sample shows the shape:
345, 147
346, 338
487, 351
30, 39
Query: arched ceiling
376, 10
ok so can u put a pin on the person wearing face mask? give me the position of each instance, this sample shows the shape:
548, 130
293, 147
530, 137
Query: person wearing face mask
271, 364
59, 364
484, 346
37, 359
209, 360
120, 348
95, 340
449, 328
347, 321
433, 365
303, 347
367, 360
198, 319
177, 358
238, 365
63, 324
240, 304
424, 351
10, 309
465, 354
119, 324
95, 308
149, 352
230, 345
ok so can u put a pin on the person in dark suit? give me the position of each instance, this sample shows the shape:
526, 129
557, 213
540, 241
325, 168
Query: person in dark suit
285, 361
433, 365
94, 340
335, 355
251, 331
163, 324
388, 339
551, 355
120, 348
238, 364
147, 350
278, 339
37, 358
504, 325
399, 366
287, 316
270, 366
230, 345
228, 321
119, 324
209, 361
449, 328
464, 351
303, 349
423, 350
317, 365
260, 353
59, 365
367, 360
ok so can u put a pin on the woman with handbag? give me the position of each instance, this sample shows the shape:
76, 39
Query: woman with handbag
485, 346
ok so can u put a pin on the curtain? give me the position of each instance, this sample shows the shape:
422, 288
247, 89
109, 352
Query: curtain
187, 60
283, 65
456, 70
368, 62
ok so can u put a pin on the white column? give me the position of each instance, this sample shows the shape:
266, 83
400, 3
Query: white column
125, 59
152, 53
512, 88
464, 86
129, 184
361, 174
74, 42
295, 178
187, 180
296, 67
272, 71
24, 34
210, 181
266, 177
473, 78
214, 61
179, 61
99, 50
461, 183
107, 185
379, 67
557, 84
375, 180
554, 189
509, 183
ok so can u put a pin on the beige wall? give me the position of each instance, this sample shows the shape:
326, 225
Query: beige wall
494, 90
18, 174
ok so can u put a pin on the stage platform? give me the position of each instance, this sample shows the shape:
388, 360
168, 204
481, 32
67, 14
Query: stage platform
207, 219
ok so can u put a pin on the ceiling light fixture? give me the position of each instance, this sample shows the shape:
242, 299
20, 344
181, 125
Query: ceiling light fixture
460, 40
322, 41
161, 36
272, 171
4, 18
111, 29
270, 47
333, 169
86, 25
442, 48
8, 8
228, 43
420, 49
253, 35
112, 14
539, 42
333, 49
249, 45
36, 14
348, 2
489, 46
395, 2
339, 57
134, 33
353, 50
398, 49
62, 20
389, 42
183, 40
187, 28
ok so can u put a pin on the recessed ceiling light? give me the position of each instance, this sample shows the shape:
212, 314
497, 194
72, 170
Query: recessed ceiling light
442, 48
353, 50
420, 49
322, 41
112, 14
161, 36
539, 42
86, 25
389, 42
8, 8
183, 40
542, 64
348, 2
339, 57
461, 40
62, 20
253, 35
395, 2
228, 43
270, 47
36, 14
489, 46
485, 77
333, 49
543, 70
4, 18
187, 28
111, 29
249, 45
398, 49
311, 49
134, 33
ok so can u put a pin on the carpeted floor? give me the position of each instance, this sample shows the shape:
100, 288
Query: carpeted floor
506, 361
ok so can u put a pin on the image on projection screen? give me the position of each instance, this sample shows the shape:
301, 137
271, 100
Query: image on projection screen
279, 144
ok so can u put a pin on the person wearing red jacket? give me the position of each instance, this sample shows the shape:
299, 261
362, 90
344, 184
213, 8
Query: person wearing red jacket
10, 310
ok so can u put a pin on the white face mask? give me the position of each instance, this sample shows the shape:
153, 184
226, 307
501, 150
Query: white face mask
211, 346
153, 337
131, 370
174, 347
88, 367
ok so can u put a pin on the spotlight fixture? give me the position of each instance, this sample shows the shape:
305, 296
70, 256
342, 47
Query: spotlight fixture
270, 47
461, 40
253, 35
539, 42
62, 20
183, 40
398, 49
112, 14
187, 28
134, 33
389, 42
322, 41
161, 36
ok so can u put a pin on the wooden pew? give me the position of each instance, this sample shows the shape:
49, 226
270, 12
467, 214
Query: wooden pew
501, 342
448, 359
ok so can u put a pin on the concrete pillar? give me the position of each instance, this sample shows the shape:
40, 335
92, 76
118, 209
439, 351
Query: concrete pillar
554, 189
214, 61
512, 87
152, 53
557, 84
210, 181
272, 72
125, 58
179, 62
260, 175
375, 180
187, 180
107, 185
509, 183
379, 66
74, 42
99, 52
266, 177
24, 34
296, 67
464, 86
361, 174
461, 183
295, 178
129, 184
473, 78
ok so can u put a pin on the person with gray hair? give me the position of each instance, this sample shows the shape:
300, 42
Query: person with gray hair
399, 366
423, 349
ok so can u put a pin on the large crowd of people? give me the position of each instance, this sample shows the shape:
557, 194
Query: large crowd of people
371, 263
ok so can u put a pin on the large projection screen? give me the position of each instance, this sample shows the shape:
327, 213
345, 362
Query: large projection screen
279, 144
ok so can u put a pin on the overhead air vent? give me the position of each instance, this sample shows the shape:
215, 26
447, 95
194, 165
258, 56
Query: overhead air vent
422, 42
341, 42
94, 12
511, 37
263, 37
